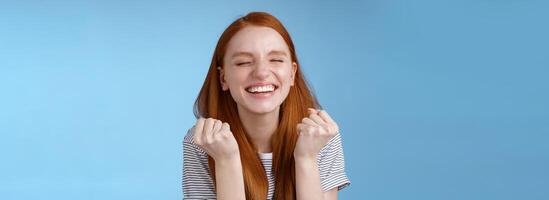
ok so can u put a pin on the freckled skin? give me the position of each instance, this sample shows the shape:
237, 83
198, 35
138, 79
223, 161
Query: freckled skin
260, 64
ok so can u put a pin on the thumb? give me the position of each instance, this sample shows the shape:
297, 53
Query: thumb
312, 111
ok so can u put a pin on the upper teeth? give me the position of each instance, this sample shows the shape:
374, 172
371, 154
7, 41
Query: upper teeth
265, 88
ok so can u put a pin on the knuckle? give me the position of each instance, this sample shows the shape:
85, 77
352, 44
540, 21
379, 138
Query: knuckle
317, 133
317, 128
324, 128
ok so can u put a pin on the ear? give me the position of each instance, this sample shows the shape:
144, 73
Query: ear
224, 86
294, 69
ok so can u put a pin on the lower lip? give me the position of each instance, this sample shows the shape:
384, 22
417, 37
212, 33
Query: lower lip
262, 95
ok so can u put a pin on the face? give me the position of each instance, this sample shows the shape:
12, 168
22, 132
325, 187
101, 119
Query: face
258, 69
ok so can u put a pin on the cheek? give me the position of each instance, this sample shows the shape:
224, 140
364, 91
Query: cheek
234, 79
285, 75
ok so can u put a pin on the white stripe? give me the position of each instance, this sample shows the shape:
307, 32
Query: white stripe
197, 183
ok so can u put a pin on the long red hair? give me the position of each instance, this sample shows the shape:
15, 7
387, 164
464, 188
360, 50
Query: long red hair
213, 102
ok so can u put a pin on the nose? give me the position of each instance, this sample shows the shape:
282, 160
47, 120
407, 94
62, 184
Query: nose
261, 71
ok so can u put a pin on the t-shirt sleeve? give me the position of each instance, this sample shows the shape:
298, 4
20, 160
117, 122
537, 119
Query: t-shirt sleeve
331, 164
197, 183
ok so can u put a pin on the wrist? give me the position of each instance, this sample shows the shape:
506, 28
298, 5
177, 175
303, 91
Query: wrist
305, 157
306, 166
305, 160
228, 161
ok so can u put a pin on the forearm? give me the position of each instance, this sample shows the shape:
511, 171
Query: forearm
307, 179
229, 180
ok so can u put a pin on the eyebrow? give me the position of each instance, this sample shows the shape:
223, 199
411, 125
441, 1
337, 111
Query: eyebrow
275, 52
243, 53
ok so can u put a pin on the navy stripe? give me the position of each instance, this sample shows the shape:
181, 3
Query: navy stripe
197, 183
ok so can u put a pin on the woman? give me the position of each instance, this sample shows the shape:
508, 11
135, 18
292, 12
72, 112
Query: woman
258, 133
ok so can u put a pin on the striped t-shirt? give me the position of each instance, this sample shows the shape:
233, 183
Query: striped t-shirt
197, 183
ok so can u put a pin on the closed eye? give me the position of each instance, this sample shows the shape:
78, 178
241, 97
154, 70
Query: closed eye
242, 63
277, 60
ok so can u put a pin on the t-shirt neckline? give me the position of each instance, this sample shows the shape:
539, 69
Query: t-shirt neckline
265, 155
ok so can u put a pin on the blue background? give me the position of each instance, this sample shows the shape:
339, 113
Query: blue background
435, 99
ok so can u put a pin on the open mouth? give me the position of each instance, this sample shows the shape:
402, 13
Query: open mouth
262, 89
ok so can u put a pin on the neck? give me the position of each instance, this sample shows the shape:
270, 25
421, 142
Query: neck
260, 127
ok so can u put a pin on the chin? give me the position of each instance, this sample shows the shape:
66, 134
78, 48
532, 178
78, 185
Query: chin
262, 109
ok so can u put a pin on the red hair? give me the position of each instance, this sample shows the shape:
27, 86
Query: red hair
213, 102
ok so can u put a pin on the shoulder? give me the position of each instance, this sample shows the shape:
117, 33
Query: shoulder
189, 137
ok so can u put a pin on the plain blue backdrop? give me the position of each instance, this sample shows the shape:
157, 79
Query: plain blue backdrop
435, 99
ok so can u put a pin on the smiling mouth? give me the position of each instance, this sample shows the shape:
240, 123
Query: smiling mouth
261, 89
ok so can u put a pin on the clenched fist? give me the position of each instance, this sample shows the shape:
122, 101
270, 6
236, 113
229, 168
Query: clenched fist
216, 138
314, 132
